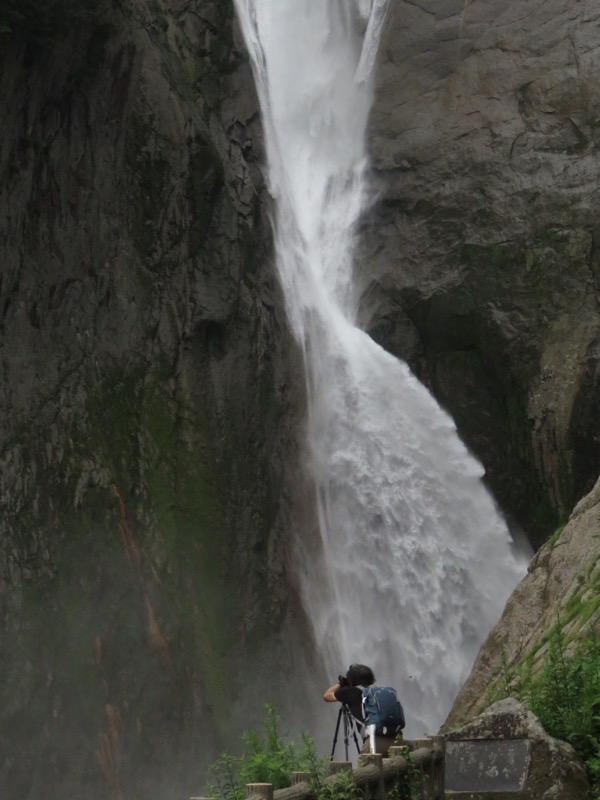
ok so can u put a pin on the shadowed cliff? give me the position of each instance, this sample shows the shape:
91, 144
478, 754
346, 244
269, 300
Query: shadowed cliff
481, 261
145, 439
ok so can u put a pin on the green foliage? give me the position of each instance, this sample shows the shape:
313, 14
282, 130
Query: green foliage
267, 759
565, 697
410, 785
510, 682
593, 768
341, 787
227, 785
315, 765
270, 760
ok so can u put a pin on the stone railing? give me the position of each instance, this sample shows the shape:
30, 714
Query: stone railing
423, 765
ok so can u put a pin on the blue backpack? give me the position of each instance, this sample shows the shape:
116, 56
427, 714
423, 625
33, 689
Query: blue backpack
383, 709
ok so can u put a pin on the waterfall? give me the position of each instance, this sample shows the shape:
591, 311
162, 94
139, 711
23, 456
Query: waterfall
414, 562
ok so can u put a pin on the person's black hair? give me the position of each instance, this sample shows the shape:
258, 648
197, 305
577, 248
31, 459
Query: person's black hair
360, 675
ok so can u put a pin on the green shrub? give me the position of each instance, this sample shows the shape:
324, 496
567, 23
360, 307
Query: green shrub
565, 697
267, 759
410, 785
227, 785
342, 787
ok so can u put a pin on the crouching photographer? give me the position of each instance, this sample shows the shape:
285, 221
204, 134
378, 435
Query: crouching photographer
376, 709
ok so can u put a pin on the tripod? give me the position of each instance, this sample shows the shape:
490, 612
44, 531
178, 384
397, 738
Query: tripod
349, 728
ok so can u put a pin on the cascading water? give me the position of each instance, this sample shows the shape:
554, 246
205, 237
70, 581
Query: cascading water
414, 563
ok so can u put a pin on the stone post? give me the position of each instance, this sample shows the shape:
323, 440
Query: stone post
375, 759
300, 777
259, 791
439, 769
428, 769
335, 767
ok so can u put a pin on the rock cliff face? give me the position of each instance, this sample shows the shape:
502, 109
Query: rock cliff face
550, 771
481, 267
562, 588
149, 393
144, 405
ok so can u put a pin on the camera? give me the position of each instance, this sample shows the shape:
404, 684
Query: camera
343, 680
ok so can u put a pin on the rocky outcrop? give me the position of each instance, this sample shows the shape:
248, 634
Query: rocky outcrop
481, 263
561, 588
480, 268
141, 405
551, 769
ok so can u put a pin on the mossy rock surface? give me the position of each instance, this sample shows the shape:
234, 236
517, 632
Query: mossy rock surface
561, 591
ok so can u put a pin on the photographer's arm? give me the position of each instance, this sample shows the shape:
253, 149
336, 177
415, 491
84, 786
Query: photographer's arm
329, 694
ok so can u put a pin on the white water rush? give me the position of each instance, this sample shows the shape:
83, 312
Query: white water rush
415, 563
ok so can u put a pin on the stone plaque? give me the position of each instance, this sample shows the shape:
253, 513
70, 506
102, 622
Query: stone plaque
487, 765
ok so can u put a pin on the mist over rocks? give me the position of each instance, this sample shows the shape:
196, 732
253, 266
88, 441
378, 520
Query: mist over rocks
146, 407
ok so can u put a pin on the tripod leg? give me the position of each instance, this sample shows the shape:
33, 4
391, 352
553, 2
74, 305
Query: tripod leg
335, 735
355, 737
346, 727
350, 725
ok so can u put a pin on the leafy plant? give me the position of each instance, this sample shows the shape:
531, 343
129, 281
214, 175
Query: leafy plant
565, 697
310, 762
267, 759
270, 760
410, 785
340, 787
227, 785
